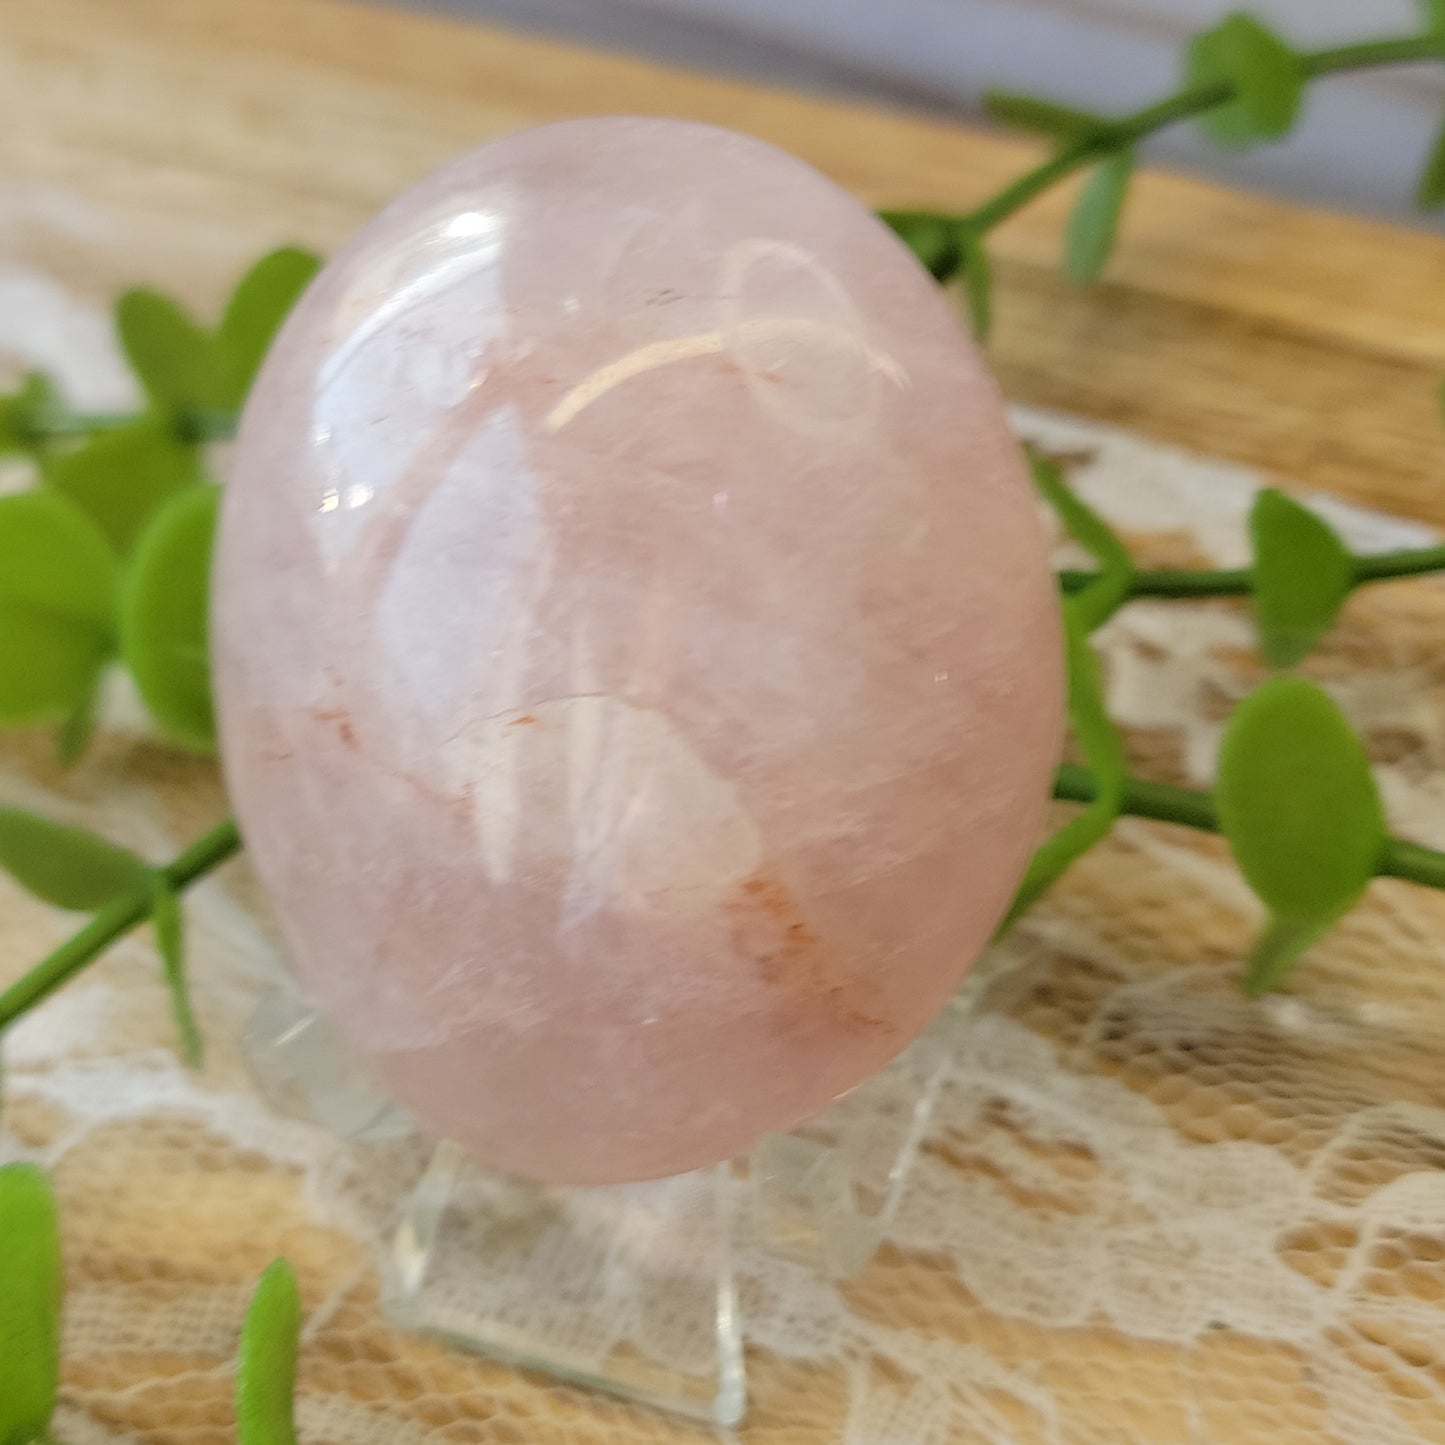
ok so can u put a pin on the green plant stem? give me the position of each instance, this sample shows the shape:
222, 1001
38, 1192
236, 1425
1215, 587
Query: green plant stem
1164, 802
1413, 862
114, 921
1239, 581
1185, 104
1192, 808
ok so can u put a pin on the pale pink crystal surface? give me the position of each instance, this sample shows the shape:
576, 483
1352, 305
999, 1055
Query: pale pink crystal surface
638, 669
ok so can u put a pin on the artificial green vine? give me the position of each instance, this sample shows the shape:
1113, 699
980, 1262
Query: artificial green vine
107, 560
125, 907
1242, 82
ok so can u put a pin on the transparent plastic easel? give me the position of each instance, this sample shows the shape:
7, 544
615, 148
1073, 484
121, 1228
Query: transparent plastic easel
624, 1288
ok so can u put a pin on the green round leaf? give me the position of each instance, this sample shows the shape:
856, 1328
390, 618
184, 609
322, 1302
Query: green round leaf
54, 560
164, 610
66, 866
121, 477
48, 669
1266, 75
57, 599
254, 314
1094, 223
1297, 801
266, 1367
30, 1292
176, 361
1302, 575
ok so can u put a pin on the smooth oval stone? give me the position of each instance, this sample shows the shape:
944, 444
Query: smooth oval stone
638, 667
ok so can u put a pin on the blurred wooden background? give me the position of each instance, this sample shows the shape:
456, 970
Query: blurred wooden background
1361, 148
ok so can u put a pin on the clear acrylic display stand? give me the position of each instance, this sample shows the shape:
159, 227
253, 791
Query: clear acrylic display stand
626, 1288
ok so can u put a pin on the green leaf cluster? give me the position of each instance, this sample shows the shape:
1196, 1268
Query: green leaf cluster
1295, 798
188, 372
121, 478
72, 868
1297, 802
108, 558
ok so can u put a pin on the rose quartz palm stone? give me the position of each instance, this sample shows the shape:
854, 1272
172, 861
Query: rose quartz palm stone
639, 672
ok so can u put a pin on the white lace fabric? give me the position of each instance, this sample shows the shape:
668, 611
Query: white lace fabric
1147, 1212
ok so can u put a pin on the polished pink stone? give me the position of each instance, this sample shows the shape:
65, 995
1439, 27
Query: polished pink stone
639, 673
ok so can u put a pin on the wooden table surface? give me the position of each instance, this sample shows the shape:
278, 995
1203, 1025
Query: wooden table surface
170, 141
